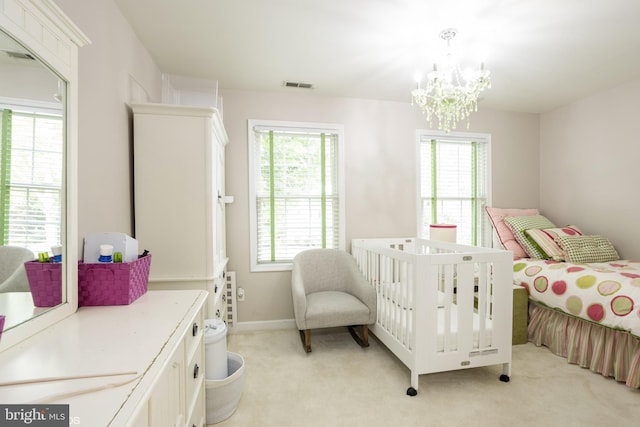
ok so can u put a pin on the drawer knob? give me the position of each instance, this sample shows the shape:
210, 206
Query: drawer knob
196, 370
194, 329
224, 297
218, 313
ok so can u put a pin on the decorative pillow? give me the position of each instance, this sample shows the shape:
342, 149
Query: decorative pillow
545, 239
507, 239
519, 224
584, 249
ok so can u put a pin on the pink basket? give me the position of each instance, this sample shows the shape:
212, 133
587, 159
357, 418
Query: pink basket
118, 283
45, 282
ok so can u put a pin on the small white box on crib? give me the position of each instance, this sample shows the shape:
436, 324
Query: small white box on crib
121, 242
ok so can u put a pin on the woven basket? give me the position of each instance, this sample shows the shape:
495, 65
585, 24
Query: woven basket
118, 283
45, 282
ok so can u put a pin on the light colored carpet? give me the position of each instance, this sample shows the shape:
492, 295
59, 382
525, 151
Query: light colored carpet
341, 384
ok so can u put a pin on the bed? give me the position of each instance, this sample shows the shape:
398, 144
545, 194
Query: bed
584, 301
588, 313
441, 306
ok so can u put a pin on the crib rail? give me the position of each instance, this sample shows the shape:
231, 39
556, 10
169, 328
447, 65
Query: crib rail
441, 306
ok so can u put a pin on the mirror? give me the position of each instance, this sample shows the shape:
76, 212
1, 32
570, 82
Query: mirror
38, 164
32, 106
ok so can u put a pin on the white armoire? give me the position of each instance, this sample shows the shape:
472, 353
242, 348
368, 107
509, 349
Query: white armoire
179, 197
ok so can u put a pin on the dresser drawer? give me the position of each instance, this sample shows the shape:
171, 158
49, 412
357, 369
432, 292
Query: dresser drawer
195, 375
195, 334
197, 418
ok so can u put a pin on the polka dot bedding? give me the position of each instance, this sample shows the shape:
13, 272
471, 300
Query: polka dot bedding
606, 293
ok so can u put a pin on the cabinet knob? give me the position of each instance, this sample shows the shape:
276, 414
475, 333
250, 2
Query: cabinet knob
224, 297
194, 329
218, 313
196, 370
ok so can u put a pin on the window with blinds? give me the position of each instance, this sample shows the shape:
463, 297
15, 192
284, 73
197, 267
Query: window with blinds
454, 184
296, 196
31, 176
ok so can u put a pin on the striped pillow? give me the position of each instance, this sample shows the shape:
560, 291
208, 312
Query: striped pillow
585, 249
545, 238
519, 224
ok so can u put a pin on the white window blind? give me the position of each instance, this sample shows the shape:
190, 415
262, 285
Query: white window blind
296, 194
454, 184
31, 174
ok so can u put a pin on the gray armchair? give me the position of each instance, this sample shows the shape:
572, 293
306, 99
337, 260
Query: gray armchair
329, 291
13, 277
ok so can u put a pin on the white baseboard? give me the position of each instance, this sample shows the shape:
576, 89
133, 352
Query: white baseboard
266, 325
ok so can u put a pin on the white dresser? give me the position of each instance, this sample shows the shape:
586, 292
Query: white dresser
180, 198
135, 365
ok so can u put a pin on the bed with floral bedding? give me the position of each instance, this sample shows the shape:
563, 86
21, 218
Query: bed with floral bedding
584, 301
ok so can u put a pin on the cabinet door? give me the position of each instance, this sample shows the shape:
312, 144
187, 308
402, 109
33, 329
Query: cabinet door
167, 406
220, 235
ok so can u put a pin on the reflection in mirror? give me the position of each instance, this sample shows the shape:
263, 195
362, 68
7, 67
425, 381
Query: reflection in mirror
31, 173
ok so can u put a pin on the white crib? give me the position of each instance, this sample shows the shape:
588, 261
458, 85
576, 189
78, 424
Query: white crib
441, 306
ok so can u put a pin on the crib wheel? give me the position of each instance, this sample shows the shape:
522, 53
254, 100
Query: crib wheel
412, 391
504, 378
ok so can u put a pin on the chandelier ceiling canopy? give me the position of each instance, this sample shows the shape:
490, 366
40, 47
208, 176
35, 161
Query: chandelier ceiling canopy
450, 93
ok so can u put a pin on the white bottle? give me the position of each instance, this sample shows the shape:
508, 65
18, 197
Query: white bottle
106, 253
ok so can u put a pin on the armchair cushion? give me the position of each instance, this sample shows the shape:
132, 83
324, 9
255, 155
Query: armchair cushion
327, 309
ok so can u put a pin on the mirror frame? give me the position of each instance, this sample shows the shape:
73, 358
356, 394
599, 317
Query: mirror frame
42, 27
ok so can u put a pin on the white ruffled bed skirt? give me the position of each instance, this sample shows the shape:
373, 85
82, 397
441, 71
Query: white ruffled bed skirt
603, 350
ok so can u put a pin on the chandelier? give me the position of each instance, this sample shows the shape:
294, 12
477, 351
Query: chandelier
450, 94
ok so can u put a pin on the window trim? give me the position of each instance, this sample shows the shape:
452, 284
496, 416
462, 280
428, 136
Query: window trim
290, 125
454, 136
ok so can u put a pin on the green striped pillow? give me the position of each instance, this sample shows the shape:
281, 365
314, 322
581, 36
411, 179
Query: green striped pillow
520, 224
585, 249
545, 238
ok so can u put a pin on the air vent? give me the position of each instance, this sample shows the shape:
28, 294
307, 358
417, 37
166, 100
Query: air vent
298, 85
19, 55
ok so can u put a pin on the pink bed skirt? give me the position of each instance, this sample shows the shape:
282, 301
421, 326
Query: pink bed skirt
603, 350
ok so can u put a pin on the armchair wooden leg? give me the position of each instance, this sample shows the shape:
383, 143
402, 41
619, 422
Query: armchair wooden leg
362, 341
305, 337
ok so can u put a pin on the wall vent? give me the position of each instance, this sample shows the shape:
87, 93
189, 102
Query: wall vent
230, 299
297, 85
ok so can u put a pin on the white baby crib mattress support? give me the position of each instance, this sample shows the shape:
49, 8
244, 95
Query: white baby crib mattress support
441, 306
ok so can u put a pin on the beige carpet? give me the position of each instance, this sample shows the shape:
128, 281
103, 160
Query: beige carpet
341, 384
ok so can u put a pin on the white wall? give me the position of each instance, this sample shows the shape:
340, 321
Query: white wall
589, 168
111, 67
380, 174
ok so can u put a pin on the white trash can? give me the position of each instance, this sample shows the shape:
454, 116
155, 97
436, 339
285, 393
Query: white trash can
223, 396
215, 339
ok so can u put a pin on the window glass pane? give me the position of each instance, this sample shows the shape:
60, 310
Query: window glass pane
296, 186
454, 183
32, 194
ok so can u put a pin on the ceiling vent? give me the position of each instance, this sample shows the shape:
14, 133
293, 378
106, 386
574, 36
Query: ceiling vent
297, 85
19, 55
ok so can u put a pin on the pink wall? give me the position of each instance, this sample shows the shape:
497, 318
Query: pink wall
589, 169
380, 174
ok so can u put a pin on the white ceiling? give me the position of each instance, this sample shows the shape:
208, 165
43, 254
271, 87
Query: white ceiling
541, 53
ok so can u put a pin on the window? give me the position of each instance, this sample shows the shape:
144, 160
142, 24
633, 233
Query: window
454, 184
296, 190
31, 175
